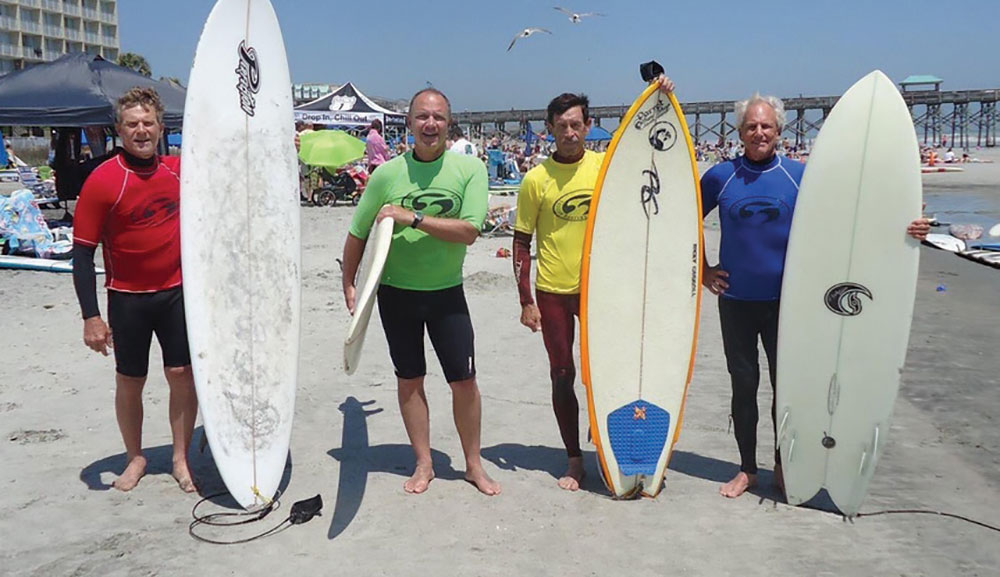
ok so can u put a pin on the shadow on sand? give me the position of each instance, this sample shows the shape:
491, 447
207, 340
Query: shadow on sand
358, 458
159, 461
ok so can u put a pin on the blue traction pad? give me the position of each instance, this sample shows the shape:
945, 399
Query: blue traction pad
638, 435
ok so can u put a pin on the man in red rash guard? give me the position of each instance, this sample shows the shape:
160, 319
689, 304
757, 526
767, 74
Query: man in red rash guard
130, 206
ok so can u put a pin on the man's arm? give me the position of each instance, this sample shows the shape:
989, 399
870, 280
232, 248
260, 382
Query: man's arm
446, 229
531, 317
96, 333
354, 247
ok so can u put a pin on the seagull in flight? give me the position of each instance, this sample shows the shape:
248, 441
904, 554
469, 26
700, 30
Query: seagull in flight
525, 33
575, 17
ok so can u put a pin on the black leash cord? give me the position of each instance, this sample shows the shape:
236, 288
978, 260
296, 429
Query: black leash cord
243, 518
929, 512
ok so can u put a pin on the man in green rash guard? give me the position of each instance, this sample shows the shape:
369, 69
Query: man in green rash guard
438, 200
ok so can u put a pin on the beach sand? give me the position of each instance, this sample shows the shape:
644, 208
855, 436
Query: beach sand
61, 449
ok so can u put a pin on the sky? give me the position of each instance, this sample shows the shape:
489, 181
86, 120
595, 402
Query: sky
714, 50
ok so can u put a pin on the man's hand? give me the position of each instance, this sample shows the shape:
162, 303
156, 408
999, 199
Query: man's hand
531, 317
397, 213
666, 84
714, 280
350, 295
919, 228
96, 335
298, 142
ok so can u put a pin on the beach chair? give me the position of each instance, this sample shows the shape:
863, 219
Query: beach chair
500, 221
45, 194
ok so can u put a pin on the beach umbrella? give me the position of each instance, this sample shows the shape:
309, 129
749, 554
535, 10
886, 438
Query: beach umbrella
330, 148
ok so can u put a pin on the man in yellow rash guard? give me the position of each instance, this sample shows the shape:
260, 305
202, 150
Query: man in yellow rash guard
438, 200
554, 202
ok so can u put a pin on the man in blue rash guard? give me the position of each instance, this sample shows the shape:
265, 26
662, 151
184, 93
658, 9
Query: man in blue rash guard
755, 194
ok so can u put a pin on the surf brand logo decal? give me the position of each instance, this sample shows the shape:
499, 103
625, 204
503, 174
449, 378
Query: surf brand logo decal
342, 102
574, 205
662, 136
844, 299
155, 212
651, 191
640, 414
434, 202
646, 117
694, 270
249, 77
759, 210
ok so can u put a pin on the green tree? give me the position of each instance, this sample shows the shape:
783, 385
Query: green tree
136, 62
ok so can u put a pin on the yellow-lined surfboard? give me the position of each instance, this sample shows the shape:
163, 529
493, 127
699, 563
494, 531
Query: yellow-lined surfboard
641, 294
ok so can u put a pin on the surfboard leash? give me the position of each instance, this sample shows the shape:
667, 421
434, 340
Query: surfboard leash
930, 512
302, 511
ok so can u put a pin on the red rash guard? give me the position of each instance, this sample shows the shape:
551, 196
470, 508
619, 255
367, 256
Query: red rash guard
134, 213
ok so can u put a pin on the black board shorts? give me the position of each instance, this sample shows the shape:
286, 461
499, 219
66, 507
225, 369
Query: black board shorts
445, 314
134, 317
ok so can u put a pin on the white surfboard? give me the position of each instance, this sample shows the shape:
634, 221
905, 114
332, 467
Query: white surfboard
641, 293
945, 242
369, 277
240, 245
39, 264
847, 295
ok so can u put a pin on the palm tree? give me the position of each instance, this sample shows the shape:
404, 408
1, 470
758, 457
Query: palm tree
135, 62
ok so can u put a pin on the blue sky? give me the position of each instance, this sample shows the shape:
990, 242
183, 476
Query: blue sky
717, 50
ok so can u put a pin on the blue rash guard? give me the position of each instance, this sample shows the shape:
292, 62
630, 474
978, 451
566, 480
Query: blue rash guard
756, 202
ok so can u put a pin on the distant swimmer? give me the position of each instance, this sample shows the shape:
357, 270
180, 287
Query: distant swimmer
525, 33
577, 17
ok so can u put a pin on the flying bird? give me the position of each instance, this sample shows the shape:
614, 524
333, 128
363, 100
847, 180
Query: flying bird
576, 17
525, 33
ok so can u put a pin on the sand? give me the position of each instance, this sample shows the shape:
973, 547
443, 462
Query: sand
61, 449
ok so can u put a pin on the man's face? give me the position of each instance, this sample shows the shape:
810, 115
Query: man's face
140, 131
570, 131
759, 132
429, 119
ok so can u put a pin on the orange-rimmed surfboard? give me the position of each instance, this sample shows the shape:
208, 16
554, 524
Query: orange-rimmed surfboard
641, 294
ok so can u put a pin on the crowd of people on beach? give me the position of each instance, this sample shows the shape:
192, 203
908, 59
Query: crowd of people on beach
421, 288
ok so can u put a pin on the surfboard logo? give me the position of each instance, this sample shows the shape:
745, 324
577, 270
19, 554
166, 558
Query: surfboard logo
662, 136
844, 299
651, 191
156, 211
646, 117
434, 202
759, 210
574, 205
248, 72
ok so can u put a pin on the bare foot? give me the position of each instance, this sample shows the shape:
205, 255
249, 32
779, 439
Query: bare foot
134, 471
421, 479
482, 481
738, 485
183, 477
570, 481
779, 478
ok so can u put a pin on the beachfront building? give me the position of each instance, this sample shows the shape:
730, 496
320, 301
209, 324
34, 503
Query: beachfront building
302, 93
33, 31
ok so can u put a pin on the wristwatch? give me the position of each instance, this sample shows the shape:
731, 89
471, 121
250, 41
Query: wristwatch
418, 217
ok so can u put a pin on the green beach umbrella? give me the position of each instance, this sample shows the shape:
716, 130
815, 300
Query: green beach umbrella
330, 148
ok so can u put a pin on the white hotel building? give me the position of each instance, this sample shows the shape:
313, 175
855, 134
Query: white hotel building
33, 31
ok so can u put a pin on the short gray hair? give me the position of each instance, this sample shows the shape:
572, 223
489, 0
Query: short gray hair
773, 101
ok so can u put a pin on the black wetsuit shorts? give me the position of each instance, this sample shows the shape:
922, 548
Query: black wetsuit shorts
134, 317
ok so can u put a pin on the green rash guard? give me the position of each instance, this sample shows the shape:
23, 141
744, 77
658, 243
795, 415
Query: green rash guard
453, 186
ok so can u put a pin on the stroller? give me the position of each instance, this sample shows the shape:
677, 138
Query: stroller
337, 187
